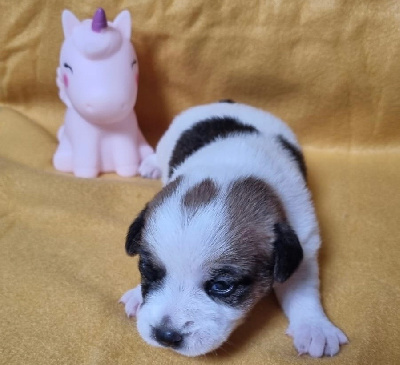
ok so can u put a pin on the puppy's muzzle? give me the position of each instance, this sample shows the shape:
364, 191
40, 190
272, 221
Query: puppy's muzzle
168, 337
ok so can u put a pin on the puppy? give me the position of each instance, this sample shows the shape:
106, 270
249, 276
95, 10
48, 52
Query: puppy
234, 220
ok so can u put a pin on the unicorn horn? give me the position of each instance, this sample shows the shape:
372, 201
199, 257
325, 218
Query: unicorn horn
99, 21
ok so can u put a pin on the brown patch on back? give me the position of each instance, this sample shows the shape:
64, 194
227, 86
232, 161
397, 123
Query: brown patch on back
200, 194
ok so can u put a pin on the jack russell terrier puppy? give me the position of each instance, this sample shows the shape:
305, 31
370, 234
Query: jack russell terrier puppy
234, 220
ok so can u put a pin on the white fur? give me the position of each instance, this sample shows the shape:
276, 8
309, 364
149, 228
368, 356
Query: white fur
179, 239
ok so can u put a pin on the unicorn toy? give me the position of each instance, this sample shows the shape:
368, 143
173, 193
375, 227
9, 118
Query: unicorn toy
97, 80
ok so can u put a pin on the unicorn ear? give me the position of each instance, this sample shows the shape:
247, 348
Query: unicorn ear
69, 22
123, 23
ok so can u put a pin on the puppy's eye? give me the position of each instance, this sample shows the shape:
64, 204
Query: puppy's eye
66, 65
221, 288
134, 62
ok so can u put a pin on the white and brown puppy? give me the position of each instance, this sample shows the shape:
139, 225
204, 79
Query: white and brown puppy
234, 221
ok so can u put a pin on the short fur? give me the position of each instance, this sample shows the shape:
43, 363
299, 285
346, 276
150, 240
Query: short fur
203, 133
234, 221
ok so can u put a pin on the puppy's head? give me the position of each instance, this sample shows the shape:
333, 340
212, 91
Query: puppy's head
208, 253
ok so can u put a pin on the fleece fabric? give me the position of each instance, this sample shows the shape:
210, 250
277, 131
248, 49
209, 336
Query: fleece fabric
330, 69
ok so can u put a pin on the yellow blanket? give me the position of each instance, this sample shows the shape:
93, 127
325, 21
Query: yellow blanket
329, 68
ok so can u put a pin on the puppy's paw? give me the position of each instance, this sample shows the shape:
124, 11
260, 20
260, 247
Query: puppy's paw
149, 168
132, 300
317, 338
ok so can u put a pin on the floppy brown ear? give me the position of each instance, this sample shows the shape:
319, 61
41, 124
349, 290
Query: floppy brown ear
134, 235
288, 252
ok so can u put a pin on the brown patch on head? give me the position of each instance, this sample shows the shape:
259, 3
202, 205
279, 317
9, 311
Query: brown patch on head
253, 209
252, 200
200, 194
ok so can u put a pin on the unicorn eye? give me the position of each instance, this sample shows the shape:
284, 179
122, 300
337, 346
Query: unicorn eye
66, 65
134, 62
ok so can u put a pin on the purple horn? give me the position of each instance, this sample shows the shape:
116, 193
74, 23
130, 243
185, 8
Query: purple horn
99, 21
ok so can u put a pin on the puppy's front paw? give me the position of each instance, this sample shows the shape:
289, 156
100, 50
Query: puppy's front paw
132, 300
317, 338
149, 168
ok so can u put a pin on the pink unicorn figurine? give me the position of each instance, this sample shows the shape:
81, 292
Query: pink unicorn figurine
97, 80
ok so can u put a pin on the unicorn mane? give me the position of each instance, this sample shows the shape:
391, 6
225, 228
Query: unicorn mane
61, 88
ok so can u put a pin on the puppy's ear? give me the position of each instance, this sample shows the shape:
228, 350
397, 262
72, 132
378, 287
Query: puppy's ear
134, 235
288, 252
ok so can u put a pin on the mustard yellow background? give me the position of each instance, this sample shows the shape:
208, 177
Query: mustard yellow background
330, 68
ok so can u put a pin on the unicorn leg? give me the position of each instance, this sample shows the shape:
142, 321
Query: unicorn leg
126, 157
62, 159
86, 158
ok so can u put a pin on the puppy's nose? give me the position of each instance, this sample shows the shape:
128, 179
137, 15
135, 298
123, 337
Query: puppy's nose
168, 337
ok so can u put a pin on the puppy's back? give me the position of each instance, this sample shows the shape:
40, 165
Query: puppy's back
260, 146
202, 125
